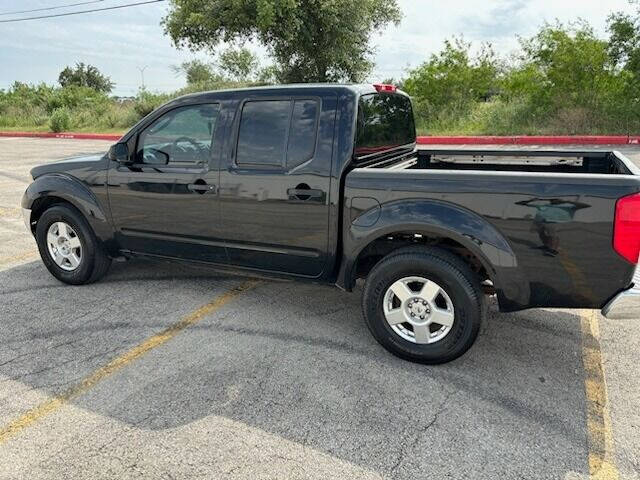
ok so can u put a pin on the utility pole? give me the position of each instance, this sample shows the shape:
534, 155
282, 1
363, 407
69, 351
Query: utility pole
142, 69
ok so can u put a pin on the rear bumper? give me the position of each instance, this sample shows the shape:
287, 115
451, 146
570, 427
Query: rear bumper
625, 305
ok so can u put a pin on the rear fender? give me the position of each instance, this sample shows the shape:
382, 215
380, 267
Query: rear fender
433, 218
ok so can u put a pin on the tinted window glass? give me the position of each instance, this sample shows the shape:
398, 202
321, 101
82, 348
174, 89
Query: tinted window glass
302, 137
263, 132
181, 136
385, 121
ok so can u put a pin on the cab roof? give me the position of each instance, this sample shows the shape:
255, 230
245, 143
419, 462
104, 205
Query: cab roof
306, 88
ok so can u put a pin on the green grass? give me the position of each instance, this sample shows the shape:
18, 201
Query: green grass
499, 117
78, 109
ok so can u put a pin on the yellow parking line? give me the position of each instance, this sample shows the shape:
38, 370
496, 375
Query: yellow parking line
31, 254
9, 212
602, 464
118, 363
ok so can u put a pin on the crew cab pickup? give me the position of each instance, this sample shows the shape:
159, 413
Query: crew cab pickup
325, 183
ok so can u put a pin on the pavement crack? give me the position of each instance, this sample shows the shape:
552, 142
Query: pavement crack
410, 440
17, 357
39, 351
60, 364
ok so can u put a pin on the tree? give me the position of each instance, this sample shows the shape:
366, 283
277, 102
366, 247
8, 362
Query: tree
269, 75
565, 66
453, 78
238, 64
85, 76
624, 46
624, 41
310, 40
568, 78
197, 72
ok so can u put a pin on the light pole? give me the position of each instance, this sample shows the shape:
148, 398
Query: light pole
142, 74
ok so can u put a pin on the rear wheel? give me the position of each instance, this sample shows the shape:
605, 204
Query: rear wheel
423, 304
68, 247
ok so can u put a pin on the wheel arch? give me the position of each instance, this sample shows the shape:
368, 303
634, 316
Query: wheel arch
434, 223
53, 189
389, 242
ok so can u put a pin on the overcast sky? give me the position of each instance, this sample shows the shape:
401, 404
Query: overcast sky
119, 42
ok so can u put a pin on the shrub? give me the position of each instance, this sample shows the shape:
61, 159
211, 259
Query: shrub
76, 97
453, 79
147, 102
60, 120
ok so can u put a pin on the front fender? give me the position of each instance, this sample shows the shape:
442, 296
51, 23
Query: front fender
71, 190
433, 218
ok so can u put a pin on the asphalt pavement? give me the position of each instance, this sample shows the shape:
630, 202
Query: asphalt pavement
164, 370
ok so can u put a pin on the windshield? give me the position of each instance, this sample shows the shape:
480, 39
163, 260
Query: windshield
385, 121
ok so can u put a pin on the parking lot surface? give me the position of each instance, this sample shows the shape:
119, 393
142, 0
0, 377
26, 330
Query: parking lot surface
163, 370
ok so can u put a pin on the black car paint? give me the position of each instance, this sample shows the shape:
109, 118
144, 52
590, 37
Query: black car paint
80, 181
484, 212
239, 225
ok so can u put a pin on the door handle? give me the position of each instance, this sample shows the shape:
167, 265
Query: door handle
304, 193
201, 188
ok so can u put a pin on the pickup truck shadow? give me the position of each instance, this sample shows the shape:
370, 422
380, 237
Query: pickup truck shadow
296, 361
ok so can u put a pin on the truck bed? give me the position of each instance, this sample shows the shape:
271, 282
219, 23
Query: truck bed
550, 161
543, 219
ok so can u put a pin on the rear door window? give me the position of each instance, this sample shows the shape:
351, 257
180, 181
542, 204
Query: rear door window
262, 136
277, 132
302, 137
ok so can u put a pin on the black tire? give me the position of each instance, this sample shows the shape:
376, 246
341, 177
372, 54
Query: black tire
94, 262
456, 279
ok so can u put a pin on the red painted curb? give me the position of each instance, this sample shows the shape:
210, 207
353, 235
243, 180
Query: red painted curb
74, 136
532, 140
423, 140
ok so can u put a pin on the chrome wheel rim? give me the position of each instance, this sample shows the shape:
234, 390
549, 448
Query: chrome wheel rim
64, 246
418, 310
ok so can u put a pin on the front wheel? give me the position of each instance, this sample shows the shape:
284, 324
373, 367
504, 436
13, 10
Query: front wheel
68, 247
423, 304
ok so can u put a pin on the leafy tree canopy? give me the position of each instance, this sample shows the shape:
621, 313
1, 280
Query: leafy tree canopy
564, 66
453, 77
196, 71
624, 48
85, 76
310, 40
237, 66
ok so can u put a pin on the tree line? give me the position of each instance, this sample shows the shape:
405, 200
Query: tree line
564, 79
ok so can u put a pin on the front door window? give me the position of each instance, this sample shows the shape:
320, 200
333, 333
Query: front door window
181, 137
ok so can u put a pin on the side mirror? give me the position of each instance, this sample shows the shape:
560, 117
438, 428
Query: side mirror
119, 153
153, 156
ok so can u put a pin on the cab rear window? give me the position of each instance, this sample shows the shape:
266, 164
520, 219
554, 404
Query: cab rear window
385, 122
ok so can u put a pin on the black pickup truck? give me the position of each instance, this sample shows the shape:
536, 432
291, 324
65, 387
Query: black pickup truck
325, 183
